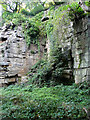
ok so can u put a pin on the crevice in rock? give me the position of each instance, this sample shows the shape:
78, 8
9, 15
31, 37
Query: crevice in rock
80, 32
81, 68
3, 39
12, 80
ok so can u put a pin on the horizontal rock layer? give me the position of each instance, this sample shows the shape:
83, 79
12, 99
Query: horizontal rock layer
15, 57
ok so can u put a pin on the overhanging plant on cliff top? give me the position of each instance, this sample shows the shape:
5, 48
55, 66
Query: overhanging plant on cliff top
75, 11
31, 32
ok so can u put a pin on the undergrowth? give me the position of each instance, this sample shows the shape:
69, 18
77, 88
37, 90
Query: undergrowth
50, 72
22, 102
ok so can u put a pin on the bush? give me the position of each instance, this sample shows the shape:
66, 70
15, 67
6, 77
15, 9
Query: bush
87, 3
31, 32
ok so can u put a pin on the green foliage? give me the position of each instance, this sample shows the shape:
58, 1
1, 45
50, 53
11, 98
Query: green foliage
18, 19
41, 25
49, 27
50, 72
7, 16
76, 12
25, 12
36, 10
33, 12
33, 28
4, 7
59, 102
87, 3
31, 32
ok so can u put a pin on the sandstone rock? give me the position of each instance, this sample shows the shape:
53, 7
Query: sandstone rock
15, 57
4, 64
24, 79
11, 80
73, 36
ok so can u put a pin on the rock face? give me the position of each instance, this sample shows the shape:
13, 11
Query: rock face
73, 38
80, 51
15, 57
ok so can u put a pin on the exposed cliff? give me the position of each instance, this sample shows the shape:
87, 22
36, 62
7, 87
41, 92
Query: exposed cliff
64, 30
73, 38
16, 57
45, 63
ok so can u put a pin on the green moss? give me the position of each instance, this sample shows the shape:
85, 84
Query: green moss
80, 60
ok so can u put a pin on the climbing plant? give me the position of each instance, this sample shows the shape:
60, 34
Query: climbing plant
50, 72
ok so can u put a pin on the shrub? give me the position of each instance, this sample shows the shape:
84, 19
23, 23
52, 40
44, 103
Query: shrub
31, 32
87, 3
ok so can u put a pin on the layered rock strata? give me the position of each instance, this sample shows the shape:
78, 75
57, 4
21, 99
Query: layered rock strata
15, 57
73, 37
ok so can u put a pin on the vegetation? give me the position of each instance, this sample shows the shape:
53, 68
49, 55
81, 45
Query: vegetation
59, 102
50, 72
76, 12
87, 3
11, 5
33, 28
47, 94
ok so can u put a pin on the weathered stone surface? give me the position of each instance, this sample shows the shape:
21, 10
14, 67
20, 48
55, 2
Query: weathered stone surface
15, 57
24, 79
73, 36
